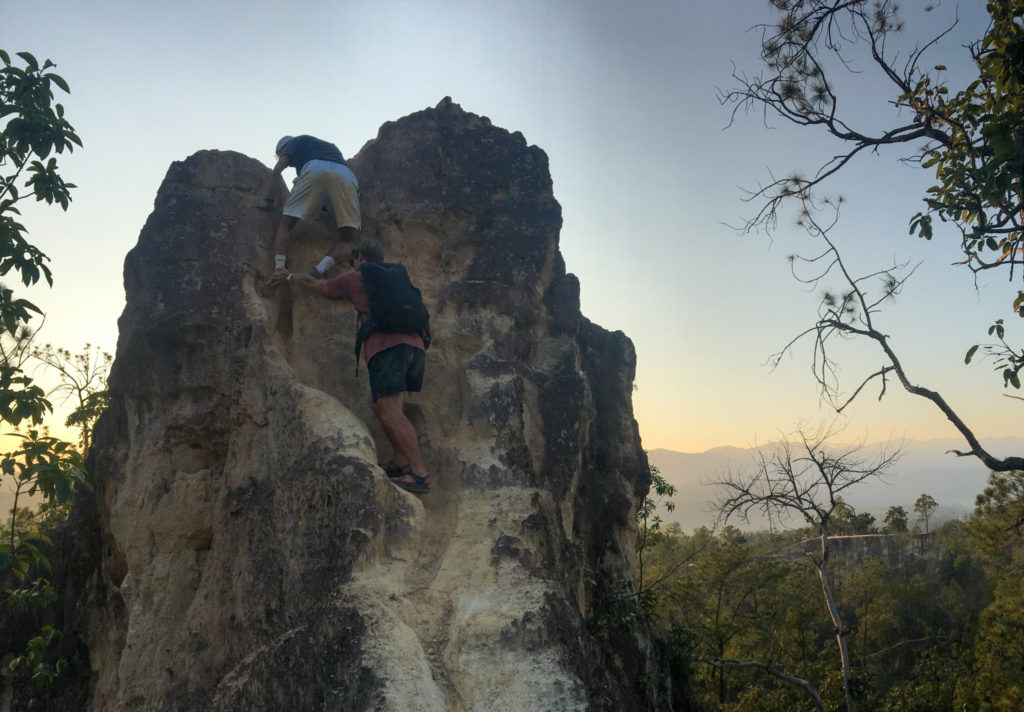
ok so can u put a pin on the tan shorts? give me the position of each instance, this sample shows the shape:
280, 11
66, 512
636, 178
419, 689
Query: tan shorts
325, 184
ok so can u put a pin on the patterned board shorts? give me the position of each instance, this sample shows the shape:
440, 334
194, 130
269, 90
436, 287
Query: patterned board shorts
325, 184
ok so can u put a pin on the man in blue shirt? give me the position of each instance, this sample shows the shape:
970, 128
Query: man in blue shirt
323, 180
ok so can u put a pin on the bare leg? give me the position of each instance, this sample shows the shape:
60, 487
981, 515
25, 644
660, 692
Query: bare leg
400, 432
348, 237
339, 251
283, 236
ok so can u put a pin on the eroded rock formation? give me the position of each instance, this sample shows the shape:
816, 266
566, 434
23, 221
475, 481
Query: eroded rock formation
251, 555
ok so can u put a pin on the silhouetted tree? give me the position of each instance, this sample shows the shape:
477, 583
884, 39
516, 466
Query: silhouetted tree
82, 378
972, 137
33, 131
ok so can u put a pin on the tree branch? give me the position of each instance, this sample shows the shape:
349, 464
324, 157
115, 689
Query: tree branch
807, 687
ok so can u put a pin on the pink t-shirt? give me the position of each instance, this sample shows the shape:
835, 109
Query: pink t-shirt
350, 286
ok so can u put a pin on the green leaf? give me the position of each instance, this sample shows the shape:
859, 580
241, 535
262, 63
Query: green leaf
970, 353
59, 81
30, 60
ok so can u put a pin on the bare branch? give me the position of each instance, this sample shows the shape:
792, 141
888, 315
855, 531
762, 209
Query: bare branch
803, 475
799, 682
852, 315
902, 644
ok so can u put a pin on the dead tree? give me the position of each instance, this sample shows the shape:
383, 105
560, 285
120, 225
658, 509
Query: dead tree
804, 477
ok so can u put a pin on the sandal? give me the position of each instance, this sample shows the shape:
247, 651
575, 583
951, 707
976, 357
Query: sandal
419, 485
394, 471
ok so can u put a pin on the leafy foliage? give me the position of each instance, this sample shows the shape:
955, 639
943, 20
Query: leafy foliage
896, 520
999, 515
971, 137
1006, 359
647, 518
33, 132
925, 506
36, 662
979, 156
626, 603
82, 378
996, 683
45, 466
934, 629
35, 128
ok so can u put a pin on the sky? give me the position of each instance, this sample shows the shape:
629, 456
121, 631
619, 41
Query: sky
646, 164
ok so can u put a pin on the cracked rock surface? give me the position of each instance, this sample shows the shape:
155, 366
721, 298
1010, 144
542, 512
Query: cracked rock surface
247, 551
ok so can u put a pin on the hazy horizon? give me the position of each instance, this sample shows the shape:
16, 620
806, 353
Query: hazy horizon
924, 468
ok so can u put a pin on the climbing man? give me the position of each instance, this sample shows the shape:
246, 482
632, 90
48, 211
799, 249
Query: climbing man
323, 179
394, 359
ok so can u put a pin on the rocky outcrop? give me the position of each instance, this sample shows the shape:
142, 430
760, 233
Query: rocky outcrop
249, 552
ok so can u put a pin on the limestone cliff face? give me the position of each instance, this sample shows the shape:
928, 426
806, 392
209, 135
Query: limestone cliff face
254, 556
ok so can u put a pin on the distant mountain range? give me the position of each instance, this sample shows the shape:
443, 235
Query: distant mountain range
953, 481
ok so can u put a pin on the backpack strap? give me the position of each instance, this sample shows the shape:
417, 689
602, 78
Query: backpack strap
363, 330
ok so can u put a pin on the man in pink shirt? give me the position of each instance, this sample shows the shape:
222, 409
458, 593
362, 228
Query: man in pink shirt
395, 363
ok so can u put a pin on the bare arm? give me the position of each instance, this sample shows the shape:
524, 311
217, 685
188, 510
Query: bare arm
282, 163
271, 190
302, 279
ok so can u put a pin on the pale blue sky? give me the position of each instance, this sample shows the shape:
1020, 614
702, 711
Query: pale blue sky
620, 95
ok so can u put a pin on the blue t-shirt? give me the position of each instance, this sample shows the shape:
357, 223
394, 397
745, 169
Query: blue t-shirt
303, 149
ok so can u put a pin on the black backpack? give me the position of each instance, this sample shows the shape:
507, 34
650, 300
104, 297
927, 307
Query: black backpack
396, 306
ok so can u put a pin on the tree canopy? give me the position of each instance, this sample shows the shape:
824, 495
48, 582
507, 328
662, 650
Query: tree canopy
929, 628
896, 519
973, 137
925, 506
34, 129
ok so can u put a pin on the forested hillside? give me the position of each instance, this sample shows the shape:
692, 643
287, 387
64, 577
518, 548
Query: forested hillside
940, 629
